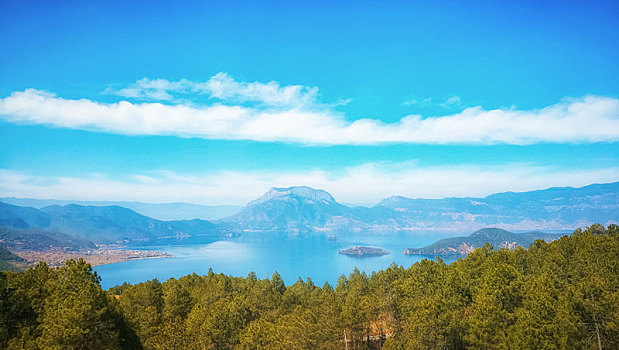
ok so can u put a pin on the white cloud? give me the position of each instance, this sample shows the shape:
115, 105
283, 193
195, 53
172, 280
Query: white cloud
413, 101
452, 102
288, 118
222, 87
347, 185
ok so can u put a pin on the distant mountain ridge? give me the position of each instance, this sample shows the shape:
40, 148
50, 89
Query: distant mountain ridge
306, 193
497, 237
559, 208
303, 209
159, 211
102, 225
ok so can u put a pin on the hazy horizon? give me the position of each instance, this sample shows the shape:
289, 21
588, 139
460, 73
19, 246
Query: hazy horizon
69, 200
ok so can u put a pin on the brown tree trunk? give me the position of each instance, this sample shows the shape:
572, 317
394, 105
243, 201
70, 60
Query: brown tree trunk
597, 333
595, 321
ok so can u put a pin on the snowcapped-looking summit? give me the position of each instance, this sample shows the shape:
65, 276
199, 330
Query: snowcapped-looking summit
303, 192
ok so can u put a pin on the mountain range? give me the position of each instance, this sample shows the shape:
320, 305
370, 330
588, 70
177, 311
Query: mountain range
159, 211
303, 209
102, 225
561, 208
497, 237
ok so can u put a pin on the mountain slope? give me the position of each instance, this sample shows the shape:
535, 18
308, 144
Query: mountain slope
22, 217
561, 208
303, 209
41, 240
298, 209
159, 211
102, 224
306, 209
497, 237
7, 260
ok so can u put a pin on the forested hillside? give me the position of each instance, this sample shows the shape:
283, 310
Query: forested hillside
41, 240
558, 295
101, 225
497, 237
7, 259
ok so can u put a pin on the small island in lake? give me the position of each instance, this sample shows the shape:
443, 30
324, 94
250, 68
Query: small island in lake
364, 251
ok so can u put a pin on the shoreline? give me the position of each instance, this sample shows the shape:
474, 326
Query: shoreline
97, 257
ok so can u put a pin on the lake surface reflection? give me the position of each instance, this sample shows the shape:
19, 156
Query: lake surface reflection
313, 256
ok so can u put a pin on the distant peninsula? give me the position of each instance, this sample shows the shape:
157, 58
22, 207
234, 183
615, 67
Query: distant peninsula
363, 252
498, 238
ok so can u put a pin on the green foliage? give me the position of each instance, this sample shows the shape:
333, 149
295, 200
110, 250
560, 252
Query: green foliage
278, 283
61, 308
7, 260
40, 239
142, 307
77, 314
558, 295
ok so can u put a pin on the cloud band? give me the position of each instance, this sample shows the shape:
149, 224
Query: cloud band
346, 185
295, 116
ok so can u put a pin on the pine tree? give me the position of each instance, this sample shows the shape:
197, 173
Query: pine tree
77, 314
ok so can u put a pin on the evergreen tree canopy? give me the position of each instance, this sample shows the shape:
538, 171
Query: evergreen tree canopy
563, 294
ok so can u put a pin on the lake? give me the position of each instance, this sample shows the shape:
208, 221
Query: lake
313, 256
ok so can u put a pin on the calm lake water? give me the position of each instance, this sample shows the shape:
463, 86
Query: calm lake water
312, 256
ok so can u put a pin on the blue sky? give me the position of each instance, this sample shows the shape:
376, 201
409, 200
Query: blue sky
214, 102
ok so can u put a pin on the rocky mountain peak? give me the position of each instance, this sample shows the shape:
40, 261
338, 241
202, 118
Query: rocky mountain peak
393, 201
303, 192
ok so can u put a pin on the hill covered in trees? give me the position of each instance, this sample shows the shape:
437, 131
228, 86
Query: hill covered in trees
497, 237
41, 240
556, 295
102, 224
8, 260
